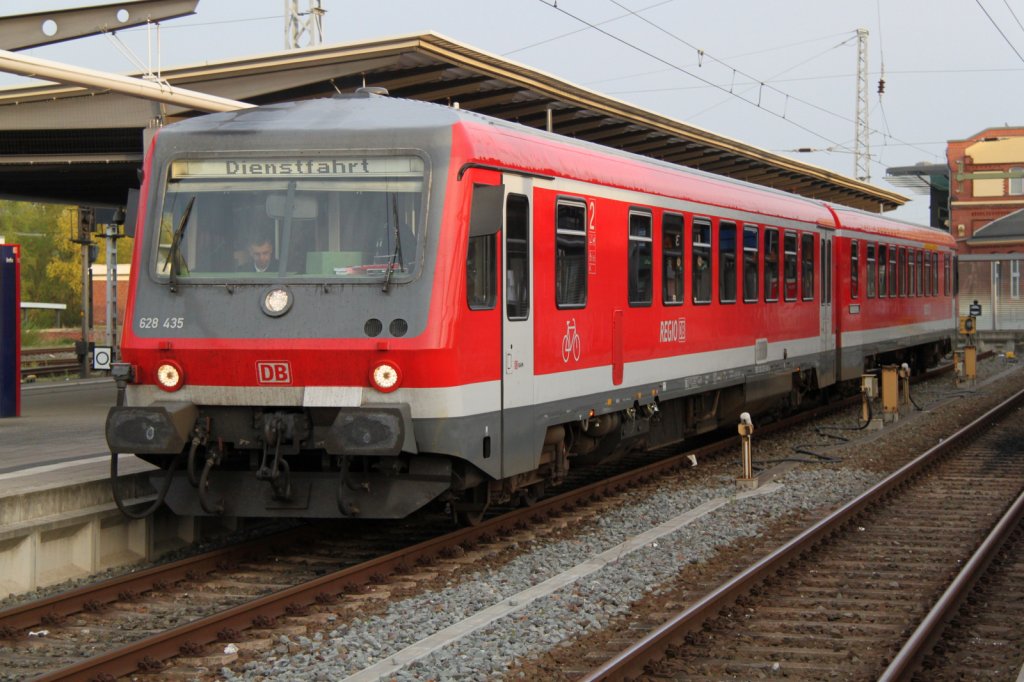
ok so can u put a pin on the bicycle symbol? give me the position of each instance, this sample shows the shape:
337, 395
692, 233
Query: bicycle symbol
570, 342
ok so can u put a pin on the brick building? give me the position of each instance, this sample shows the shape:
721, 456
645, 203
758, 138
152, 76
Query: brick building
986, 217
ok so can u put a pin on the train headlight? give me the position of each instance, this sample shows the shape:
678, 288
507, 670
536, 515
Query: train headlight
276, 302
385, 376
169, 376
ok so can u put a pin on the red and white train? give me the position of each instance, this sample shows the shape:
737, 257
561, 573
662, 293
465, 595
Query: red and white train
454, 308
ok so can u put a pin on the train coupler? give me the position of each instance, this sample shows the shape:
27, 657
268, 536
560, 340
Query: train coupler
275, 470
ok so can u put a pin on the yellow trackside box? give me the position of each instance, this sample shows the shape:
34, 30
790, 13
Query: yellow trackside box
967, 325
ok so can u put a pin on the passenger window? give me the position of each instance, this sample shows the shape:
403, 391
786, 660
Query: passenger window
570, 254
789, 265
641, 272
672, 259
872, 271
883, 269
902, 266
750, 239
893, 273
854, 269
946, 277
771, 264
921, 273
935, 274
481, 272
911, 280
517, 258
807, 267
726, 262
701, 260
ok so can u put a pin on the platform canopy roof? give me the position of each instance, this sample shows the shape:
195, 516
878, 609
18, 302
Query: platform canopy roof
71, 144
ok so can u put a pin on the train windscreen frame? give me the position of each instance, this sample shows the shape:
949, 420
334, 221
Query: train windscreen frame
340, 218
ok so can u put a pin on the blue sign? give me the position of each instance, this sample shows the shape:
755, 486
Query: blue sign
10, 330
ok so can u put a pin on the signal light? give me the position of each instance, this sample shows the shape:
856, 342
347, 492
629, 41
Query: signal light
385, 376
169, 376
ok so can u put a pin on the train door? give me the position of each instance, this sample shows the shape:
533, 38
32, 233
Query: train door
518, 423
827, 323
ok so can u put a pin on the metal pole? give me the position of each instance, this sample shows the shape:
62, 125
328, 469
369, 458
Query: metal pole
135, 87
112, 288
86, 314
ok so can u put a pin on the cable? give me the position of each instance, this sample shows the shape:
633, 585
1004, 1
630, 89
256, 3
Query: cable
682, 70
1013, 14
581, 30
1000, 30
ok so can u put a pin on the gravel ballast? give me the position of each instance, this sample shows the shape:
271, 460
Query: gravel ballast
839, 472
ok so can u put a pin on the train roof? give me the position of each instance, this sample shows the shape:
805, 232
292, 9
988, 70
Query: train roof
862, 221
512, 145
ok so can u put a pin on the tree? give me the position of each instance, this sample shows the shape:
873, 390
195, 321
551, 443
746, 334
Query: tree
51, 264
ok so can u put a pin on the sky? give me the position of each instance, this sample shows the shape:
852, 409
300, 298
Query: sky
780, 75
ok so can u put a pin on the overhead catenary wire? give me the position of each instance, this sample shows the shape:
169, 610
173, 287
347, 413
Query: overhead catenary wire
996, 25
554, 5
760, 84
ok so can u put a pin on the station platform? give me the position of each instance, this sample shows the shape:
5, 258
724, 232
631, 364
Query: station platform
58, 520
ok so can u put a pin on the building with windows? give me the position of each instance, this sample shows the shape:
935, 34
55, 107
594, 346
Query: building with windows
986, 217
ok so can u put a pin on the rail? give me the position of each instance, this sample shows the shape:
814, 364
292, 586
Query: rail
632, 661
48, 361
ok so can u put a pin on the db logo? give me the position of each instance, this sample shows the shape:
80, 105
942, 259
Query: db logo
278, 372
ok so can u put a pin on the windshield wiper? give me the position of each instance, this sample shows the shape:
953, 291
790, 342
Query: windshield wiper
172, 256
397, 253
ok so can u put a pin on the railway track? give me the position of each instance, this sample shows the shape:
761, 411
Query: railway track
239, 599
41, 362
983, 638
840, 600
244, 594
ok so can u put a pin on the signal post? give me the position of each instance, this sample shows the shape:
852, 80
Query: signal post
966, 359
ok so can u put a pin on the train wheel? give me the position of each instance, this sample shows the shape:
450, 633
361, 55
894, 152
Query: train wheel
470, 510
531, 494
470, 517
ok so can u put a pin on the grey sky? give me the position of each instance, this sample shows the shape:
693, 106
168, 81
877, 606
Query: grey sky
949, 71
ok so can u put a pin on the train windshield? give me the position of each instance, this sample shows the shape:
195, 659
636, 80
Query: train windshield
306, 218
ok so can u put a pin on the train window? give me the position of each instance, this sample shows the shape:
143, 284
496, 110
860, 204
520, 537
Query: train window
911, 270
357, 219
935, 274
927, 275
893, 273
872, 270
517, 257
883, 270
854, 269
956, 276
946, 279
789, 265
771, 264
672, 259
481, 272
570, 254
902, 255
640, 253
1017, 183
727, 262
701, 241
921, 273
807, 267
750, 248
